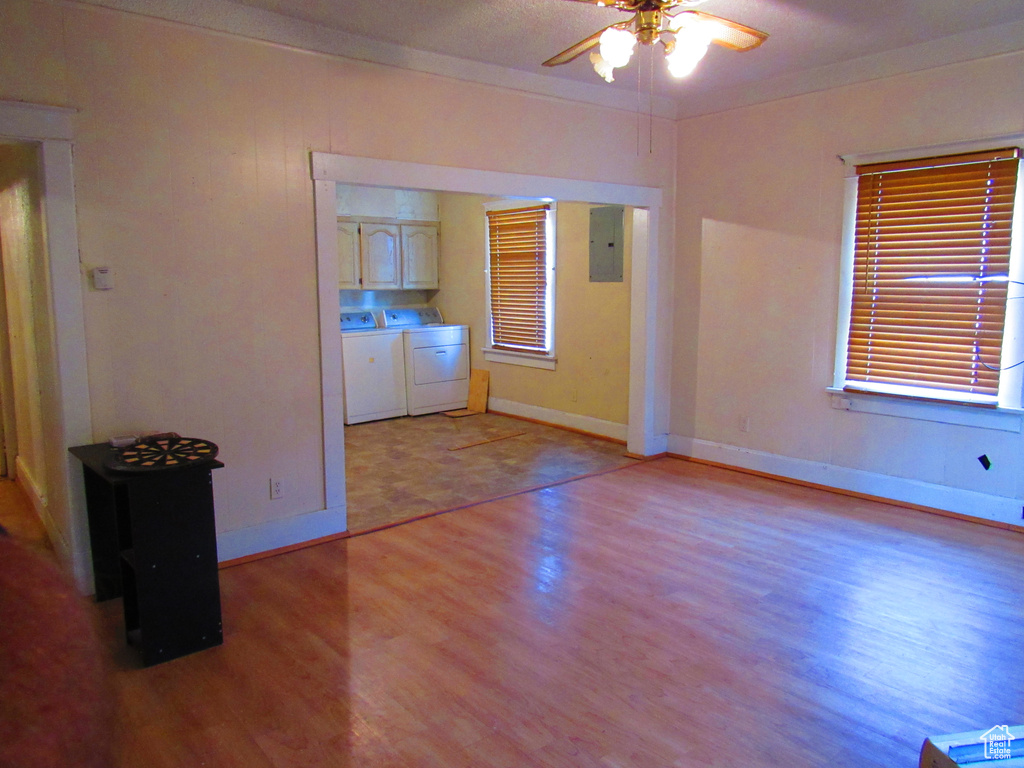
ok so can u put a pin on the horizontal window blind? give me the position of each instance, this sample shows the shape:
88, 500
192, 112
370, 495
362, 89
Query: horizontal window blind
931, 261
518, 268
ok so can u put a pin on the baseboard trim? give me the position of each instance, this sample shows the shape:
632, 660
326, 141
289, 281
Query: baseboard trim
223, 564
23, 477
573, 422
652, 457
26, 482
275, 536
999, 511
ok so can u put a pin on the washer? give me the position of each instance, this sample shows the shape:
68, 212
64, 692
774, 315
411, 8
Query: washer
436, 359
373, 369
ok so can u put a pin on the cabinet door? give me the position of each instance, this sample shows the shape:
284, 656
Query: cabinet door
419, 256
381, 257
416, 205
348, 254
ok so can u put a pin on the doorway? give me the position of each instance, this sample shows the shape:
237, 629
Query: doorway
24, 321
329, 169
65, 416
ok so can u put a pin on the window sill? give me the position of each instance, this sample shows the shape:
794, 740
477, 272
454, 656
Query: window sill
1000, 419
547, 362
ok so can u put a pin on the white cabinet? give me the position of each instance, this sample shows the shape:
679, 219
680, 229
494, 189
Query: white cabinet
419, 256
348, 255
381, 203
378, 255
412, 204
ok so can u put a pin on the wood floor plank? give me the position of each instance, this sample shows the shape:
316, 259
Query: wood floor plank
666, 614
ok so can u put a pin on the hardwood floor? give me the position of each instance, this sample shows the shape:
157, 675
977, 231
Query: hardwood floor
665, 614
19, 519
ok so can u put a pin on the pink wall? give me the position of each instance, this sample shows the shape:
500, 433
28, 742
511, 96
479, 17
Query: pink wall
193, 183
759, 222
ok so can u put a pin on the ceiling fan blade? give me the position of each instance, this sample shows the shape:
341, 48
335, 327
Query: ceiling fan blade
575, 51
635, 5
730, 34
626, 5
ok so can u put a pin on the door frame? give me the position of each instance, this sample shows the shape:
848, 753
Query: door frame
64, 511
330, 169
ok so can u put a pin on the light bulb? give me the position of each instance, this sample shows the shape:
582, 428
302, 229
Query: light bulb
682, 61
691, 45
602, 67
617, 46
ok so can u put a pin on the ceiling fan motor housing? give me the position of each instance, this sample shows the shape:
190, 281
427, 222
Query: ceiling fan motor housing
648, 26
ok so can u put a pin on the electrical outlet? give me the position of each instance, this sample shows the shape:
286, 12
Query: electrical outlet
276, 488
744, 423
573, 395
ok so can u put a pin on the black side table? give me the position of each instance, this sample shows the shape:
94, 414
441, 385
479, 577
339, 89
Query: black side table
154, 542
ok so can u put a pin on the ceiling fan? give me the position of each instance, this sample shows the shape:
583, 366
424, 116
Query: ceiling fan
685, 35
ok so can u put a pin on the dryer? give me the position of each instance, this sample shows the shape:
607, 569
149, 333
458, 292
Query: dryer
436, 359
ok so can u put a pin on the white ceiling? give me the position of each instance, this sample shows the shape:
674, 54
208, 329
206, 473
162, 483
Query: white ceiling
813, 44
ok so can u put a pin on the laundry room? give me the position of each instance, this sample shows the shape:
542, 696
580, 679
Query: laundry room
415, 315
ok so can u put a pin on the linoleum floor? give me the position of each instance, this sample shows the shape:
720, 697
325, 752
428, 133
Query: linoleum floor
405, 468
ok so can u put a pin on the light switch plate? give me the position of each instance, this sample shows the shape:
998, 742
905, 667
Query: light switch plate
102, 278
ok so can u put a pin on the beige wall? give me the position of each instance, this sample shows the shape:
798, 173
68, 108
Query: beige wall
759, 221
591, 319
193, 184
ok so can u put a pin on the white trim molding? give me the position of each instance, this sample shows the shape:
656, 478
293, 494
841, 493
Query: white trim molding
233, 18
1000, 419
547, 362
331, 388
852, 160
575, 421
351, 169
65, 515
983, 506
35, 122
644, 310
275, 534
23, 477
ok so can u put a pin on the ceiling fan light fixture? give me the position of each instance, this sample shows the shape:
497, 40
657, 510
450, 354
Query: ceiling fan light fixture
681, 62
685, 36
617, 46
691, 43
602, 67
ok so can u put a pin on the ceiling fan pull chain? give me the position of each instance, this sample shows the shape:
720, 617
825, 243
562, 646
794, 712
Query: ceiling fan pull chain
650, 106
639, 106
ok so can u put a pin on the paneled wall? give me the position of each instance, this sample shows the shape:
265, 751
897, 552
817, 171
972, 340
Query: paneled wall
192, 163
759, 222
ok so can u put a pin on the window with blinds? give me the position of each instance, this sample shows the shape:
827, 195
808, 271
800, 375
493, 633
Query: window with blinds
930, 275
519, 257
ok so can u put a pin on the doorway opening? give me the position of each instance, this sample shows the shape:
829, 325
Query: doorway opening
58, 347
329, 170
25, 325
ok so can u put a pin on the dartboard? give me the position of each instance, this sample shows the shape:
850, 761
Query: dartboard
162, 453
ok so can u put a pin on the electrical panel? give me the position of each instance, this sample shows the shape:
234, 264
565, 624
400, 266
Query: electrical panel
606, 244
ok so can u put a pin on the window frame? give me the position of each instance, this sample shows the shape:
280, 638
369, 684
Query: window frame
907, 403
545, 360
933, 404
